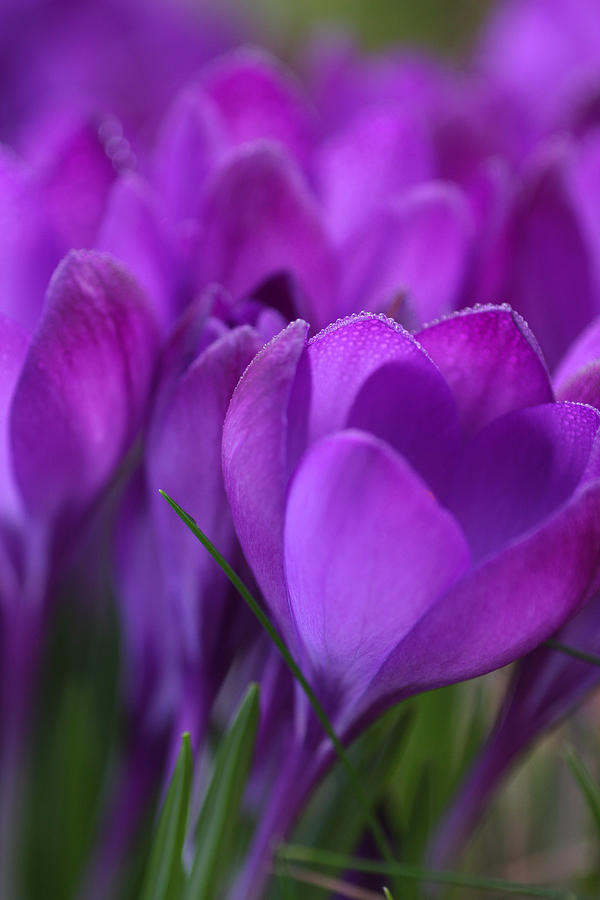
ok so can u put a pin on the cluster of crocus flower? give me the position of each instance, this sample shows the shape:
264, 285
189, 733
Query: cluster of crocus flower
274, 321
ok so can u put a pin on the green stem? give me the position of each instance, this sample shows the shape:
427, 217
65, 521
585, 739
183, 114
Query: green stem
574, 652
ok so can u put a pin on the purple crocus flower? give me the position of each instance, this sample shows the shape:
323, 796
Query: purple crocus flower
73, 398
416, 510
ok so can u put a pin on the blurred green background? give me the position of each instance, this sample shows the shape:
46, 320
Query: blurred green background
446, 25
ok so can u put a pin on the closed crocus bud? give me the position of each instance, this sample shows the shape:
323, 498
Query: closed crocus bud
73, 399
84, 387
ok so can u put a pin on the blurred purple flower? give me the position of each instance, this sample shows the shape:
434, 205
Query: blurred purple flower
545, 54
93, 59
546, 685
73, 398
416, 511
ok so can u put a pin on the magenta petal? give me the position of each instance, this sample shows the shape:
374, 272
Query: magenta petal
368, 550
542, 51
504, 608
388, 263
75, 186
28, 247
255, 464
189, 146
518, 470
13, 347
549, 257
134, 232
491, 361
585, 184
184, 459
260, 219
408, 404
377, 157
578, 375
585, 350
257, 98
84, 385
341, 359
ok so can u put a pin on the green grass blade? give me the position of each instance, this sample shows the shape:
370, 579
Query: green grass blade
221, 807
291, 853
165, 873
581, 655
590, 790
322, 716
387, 895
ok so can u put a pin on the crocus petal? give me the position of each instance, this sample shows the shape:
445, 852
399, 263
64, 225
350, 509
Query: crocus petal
504, 608
388, 263
585, 350
340, 360
189, 146
28, 247
408, 404
584, 181
368, 550
378, 156
84, 385
184, 459
577, 377
260, 219
255, 463
132, 231
518, 470
13, 347
75, 185
152, 659
257, 98
549, 258
541, 50
491, 361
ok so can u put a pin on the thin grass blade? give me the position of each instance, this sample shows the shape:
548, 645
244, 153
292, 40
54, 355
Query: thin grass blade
374, 826
590, 790
164, 875
221, 809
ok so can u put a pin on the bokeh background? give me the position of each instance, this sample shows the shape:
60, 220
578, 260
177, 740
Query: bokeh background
445, 25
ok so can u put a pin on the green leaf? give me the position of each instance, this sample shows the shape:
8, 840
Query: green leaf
588, 787
221, 808
374, 826
387, 894
164, 874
